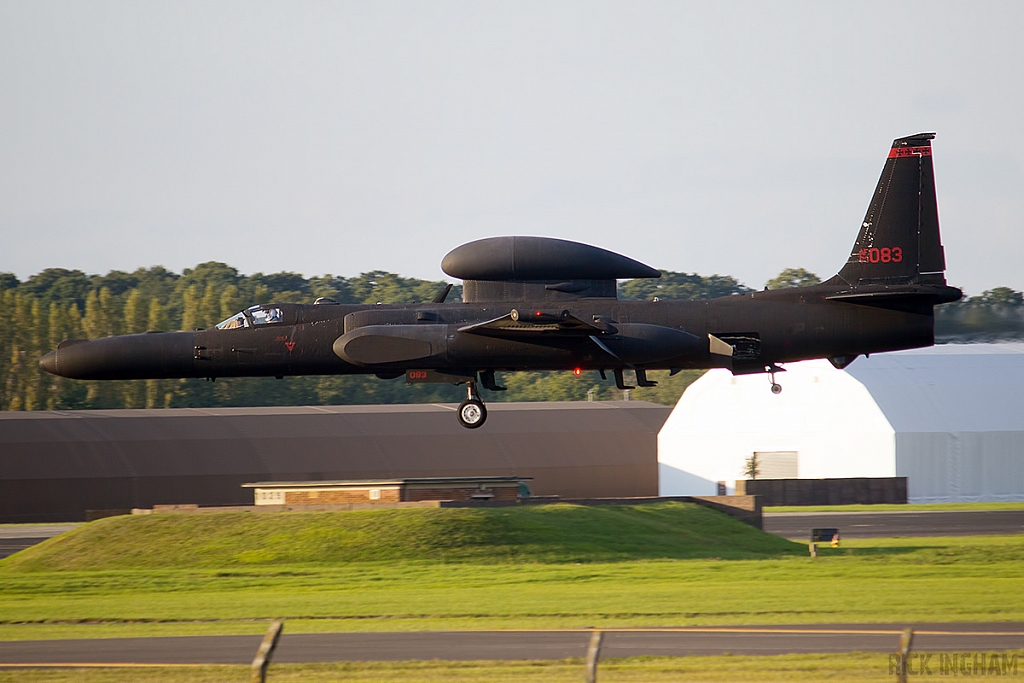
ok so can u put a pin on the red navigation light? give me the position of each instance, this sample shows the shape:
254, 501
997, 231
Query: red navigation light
577, 371
538, 312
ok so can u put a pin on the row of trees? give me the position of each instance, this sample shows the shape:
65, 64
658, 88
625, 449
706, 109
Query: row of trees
59, 304
994, 315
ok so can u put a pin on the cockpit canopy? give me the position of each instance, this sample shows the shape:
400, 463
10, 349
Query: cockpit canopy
254, 315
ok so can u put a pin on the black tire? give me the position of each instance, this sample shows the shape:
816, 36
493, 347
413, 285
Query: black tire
776, 389
472, 413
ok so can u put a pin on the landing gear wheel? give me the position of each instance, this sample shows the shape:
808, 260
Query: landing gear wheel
772, 369
472, 413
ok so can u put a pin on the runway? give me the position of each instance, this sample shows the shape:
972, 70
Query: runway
18, 537
515, 645
798, 525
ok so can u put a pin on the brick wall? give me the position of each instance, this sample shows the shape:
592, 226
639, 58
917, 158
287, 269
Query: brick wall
339, 496
394, 495
460, 493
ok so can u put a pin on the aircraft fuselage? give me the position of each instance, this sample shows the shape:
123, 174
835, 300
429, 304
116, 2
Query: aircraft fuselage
780, 326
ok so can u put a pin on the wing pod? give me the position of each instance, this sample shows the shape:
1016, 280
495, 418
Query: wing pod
627, 343
639, 344
388, 344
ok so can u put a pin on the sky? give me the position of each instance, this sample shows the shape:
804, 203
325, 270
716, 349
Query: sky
737, 138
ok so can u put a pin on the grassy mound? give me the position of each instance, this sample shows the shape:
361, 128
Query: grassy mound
545, 533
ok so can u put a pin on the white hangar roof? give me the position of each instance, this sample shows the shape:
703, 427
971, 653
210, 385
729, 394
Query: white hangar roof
947, 388
950, 418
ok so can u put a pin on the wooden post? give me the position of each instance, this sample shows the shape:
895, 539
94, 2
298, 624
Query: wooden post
906, 640
266, 651
813, 547
593, 653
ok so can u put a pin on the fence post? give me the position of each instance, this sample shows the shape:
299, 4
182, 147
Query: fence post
593, 654
266, 651
906, 640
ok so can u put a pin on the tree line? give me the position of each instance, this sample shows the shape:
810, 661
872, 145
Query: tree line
58, 304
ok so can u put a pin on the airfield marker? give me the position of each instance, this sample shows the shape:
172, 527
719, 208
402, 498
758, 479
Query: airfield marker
593, 654
266, 651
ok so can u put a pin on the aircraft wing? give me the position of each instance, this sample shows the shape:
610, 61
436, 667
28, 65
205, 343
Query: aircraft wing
537, 324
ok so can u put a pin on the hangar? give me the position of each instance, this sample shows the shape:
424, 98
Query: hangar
949, 418
54, 466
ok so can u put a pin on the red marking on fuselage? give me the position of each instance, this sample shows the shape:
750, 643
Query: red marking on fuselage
283, 337
898, 152
883, 255
290, 345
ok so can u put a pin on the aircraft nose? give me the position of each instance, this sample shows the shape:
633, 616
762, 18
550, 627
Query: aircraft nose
49, 362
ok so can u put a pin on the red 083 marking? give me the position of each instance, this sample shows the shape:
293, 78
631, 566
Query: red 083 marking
881, 255
417, 374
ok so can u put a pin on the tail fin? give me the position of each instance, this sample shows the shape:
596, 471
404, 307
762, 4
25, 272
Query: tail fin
899, 239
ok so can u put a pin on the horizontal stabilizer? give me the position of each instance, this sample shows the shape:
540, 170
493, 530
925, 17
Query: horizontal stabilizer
899, 298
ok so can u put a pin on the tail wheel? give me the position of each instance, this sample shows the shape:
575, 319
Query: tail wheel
472, 413
776, 388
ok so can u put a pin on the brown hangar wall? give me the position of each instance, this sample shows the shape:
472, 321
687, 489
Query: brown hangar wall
56, 465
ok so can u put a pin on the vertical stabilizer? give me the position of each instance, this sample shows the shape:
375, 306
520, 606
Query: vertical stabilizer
899, 239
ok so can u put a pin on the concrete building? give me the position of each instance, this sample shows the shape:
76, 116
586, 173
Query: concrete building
949, 418
54, 466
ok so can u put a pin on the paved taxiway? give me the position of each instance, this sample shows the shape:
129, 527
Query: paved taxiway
516, 645
798, 525
18, 537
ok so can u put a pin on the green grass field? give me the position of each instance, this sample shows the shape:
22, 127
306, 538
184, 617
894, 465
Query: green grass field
547, 534
842, 668
531, 567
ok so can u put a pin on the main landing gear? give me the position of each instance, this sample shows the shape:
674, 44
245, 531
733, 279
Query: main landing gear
472, 413
772, 369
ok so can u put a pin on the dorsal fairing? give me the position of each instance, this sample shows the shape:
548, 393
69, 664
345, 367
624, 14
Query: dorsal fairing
538, 269
489, 291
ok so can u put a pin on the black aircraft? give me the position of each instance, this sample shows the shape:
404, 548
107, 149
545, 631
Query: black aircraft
535, 303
